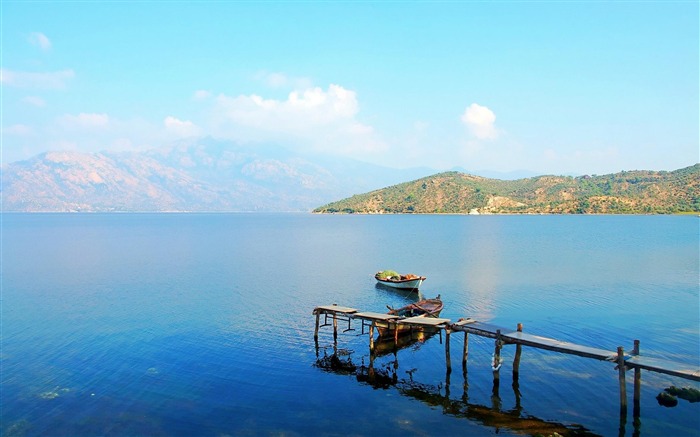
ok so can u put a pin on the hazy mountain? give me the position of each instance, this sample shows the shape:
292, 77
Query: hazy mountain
631, 192
195, 175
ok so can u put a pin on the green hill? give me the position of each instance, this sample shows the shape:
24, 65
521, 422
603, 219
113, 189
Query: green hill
627, 192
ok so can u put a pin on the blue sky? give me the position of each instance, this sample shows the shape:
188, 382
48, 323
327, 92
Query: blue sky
549, 87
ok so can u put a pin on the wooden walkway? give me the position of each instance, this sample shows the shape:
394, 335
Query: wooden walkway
503, 336
332, 314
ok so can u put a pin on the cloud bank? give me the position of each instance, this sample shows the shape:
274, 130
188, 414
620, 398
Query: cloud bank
313, 118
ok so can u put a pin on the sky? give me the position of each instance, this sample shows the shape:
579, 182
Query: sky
549, 87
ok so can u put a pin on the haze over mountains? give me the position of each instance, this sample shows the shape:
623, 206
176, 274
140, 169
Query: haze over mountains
194, 175
200, 175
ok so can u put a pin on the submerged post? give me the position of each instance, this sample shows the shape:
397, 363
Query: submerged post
516, 360
465, 352
318, 317
637, 385
447, 350
621, 377
335, 325
447, 384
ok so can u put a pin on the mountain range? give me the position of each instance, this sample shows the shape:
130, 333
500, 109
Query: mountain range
195, 175
210, 175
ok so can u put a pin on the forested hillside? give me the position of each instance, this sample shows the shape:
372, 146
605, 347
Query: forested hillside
627, 192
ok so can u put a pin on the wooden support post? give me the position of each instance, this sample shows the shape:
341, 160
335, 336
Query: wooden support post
447, 350
636, 410
497, 358
371, 338
465, 351
335, 327
621, 377
318, 317
447, 384
495, 394
396, 335
516, 360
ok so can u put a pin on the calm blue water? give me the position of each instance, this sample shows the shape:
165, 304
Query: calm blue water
197, 324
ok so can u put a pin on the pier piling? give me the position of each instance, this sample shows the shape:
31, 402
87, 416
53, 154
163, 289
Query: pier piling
447, 349
335, 327
318, 317
465, 351
621, 377
516, 359
637, 384
497, 357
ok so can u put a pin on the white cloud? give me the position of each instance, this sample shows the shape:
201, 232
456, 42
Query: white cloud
40, 40
84, 120
34, 101
24, 79
312, 119
181, 128
301, 111
481, 121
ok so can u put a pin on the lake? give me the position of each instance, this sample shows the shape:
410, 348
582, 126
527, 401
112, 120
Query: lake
201, 324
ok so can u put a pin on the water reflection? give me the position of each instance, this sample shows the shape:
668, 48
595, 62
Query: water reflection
386, 377
340, 361
410, 295
413, 339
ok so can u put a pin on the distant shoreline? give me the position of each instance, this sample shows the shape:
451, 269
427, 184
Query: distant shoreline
690, 213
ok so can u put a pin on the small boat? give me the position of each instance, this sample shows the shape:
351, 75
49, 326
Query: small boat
392, 279
422, 308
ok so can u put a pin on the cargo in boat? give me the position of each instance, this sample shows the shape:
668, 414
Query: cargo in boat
393, 279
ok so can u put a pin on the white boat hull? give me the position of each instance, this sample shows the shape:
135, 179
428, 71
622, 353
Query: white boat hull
407, 284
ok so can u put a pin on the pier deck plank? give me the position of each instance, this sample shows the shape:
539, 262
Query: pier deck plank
559, 346
659, 365
479, 328
334, 309
427, 321
369, 315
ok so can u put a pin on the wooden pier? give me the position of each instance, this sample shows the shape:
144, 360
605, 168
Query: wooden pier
331, 314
